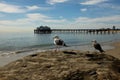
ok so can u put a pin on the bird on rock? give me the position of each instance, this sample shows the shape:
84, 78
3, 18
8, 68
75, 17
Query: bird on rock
58, 42
97, 46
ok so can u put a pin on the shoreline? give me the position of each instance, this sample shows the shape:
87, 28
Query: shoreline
109, 47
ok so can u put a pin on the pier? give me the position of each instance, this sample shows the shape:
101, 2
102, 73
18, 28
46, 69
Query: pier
94, 31
43, 30
47, 30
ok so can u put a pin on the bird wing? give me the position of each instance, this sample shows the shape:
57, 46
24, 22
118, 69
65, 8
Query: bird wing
59, 42
97, 46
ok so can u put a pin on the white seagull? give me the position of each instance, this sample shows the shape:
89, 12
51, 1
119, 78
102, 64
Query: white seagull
97, 46
58, 42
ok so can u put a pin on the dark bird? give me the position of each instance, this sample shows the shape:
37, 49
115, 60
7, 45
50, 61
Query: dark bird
59, 42
97, 46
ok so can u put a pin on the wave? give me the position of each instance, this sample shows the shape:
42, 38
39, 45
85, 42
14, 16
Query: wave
23, 51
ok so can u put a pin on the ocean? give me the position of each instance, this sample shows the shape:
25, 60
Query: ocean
29, 41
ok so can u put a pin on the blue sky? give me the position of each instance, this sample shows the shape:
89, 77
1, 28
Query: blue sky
26, 15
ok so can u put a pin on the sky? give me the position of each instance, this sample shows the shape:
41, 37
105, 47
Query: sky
26, 15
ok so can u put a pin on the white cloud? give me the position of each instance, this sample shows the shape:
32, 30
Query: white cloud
100, 22
37, 16
108, 19
93, 2
34, 7
55, 21
31, 20
44, 18
111, 6
84, 9
6, 29
55, 1
7, 8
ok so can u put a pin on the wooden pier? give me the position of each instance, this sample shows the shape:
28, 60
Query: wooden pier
47, 30
94, 31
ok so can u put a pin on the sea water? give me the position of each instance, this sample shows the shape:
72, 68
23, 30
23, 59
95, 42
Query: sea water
27, 41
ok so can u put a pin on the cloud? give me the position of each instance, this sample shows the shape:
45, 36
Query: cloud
34, 7
37, 16
44, 18
31, 20
52, 2
6, 29
84, 9
7, 8
96, 23
108, 19
111, 6
55, 21
93, 2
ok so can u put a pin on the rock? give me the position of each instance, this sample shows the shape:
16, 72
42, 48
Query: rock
63, 65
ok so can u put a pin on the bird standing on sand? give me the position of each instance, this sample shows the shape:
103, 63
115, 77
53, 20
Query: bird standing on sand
58, 42
97, 46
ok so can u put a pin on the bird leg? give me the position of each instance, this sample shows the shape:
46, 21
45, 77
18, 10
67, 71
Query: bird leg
56, 48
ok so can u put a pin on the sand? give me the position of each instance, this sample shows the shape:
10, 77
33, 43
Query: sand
65, 65
116, 51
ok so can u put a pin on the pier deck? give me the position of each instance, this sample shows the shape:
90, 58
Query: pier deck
88, 30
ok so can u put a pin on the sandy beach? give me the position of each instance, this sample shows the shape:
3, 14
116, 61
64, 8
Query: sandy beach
116, 51
67, 64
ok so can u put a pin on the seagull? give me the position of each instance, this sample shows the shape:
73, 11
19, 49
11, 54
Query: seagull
97, 46
58, 42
